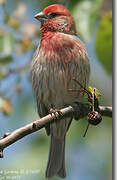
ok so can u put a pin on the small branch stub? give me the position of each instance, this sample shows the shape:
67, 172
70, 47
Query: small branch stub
1, 153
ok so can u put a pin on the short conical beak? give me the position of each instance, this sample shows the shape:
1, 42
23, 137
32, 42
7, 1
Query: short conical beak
41, 16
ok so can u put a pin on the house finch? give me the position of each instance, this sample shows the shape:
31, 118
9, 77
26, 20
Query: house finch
60, 56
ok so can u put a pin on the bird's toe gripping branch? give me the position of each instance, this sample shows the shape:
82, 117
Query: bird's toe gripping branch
55, 113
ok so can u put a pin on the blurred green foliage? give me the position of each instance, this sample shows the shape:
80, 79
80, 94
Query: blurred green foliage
104, 41
6, 46
85, 13
6, 43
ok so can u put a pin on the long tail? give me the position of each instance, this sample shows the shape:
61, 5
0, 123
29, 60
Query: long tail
56, 160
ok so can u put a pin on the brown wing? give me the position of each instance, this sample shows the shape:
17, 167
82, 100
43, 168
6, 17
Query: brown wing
42, 111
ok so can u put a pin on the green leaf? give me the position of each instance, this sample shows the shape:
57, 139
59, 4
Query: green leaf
104, 42
6, 43
90, 88
5, 59
3, 71
85, 13
6, 17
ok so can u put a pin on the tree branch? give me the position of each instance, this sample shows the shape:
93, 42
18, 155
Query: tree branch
106, 111
78, 110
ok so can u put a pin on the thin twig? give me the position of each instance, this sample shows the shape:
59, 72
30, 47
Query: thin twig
106, 111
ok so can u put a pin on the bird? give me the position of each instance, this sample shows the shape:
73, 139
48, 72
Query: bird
59, 57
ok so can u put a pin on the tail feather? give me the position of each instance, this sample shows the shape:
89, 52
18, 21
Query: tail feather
62, 172
56, 161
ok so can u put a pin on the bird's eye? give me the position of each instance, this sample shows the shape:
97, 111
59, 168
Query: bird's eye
52, 15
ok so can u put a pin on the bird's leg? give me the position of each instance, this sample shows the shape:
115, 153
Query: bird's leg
55, 112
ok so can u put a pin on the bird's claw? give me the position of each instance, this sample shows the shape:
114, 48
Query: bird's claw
55, 113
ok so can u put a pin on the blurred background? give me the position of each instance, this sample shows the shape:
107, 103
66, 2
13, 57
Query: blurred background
88, 158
